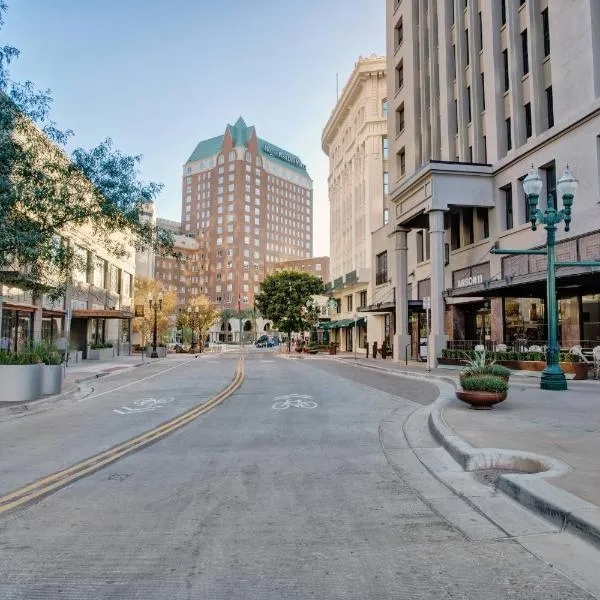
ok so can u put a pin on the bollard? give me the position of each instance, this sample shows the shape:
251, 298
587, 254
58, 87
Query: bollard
374, 349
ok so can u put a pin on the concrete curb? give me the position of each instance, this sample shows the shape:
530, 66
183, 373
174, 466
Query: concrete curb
531, 488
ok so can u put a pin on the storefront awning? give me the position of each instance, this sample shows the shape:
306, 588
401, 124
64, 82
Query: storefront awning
20, 307
91, 313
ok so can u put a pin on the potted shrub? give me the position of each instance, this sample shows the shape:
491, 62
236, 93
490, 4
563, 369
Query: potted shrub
52, 369
20, 375
101, 351
479, 364
482, 391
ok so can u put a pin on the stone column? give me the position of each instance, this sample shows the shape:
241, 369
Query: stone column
37, 318
402, 337
437, 338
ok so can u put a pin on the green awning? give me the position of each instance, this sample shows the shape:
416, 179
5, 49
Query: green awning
342, 323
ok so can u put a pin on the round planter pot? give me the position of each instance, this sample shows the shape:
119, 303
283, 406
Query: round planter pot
480, 400
20, 383
52, 376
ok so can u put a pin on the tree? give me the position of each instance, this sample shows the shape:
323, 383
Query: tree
143, 289
198, 316
286, 299
44, 193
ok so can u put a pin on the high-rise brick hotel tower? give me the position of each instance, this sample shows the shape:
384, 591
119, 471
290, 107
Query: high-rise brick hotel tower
248, 203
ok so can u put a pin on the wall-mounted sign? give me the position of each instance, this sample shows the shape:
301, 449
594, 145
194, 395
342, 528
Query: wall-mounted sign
281, 155
475, 275
139, 310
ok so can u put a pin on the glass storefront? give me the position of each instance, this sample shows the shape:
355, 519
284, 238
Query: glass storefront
524, 320
590, 318
52, 328
17, 327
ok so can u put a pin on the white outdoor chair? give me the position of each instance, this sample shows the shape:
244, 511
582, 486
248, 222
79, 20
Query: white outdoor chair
534, 349
596, 357
501, 348
578, 351
480, 348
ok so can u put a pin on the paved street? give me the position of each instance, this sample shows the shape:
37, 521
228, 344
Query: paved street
291, 489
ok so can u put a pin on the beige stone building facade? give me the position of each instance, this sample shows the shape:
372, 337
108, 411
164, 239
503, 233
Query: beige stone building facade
478, 92
356, 142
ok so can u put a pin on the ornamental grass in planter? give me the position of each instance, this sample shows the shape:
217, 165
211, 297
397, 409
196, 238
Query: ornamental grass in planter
481, 365
482, 391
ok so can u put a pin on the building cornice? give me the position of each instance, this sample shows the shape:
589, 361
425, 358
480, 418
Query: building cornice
363, 69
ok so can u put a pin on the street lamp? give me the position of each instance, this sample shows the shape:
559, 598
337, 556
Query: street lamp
553, 377
155, 305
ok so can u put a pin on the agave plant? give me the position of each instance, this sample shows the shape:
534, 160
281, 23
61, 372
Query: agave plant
479, 364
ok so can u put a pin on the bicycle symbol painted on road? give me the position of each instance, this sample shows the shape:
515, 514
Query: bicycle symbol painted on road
144, 405
294, 400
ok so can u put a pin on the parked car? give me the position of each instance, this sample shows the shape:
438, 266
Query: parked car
265, 341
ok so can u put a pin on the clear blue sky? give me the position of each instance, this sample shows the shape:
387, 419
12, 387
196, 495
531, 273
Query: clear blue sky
158, 77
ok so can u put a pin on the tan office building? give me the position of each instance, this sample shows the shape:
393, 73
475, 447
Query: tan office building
355, 140
477, 93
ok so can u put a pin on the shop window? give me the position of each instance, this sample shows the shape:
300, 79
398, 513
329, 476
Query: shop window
590, 313
524, 321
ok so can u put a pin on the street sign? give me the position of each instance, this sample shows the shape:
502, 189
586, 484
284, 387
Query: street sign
139, 310
427, 302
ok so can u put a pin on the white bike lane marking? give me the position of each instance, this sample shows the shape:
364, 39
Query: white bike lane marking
294, 400
144, 405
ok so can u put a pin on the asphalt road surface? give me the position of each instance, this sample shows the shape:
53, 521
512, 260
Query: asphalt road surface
281, 492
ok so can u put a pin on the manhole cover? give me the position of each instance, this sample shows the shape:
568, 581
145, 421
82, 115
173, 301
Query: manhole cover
490, 476
119, 476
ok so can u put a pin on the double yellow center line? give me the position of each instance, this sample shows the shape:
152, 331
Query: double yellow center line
51, 483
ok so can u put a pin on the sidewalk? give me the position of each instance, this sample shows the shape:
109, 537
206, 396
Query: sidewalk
555, 436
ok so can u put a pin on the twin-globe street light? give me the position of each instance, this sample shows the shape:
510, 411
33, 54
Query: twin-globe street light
553, 377
155, 304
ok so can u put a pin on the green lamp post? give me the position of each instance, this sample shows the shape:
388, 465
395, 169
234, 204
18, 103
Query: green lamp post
553, 377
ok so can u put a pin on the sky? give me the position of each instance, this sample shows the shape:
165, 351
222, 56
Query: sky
158, 77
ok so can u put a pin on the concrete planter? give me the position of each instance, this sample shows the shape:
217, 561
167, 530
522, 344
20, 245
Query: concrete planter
75, 356
20, 383
101, 354
52, 377
160, 350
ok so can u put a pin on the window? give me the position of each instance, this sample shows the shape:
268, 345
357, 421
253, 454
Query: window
503, 12
551, 183
528, 126
468, 225
484, 223
384, 108
508, 135
470, 154
467, 47
480, 32
398, 34
456, 116
402, 162
386, 183
386, 216
385, 148
525, 52
454, 230
363, 298
420, 247
482, 91
484, 142
99, 272
469, 104
232, 155
400, 119
508, 207
349, 303
399, 76
546, 32
550, 104
506, 73
381, 270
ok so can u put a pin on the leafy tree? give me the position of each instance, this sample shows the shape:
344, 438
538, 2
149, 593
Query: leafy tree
143, 289
286, 299
198, 316
44, 194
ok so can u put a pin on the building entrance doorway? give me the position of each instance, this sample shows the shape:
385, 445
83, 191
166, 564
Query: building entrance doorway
478, 323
